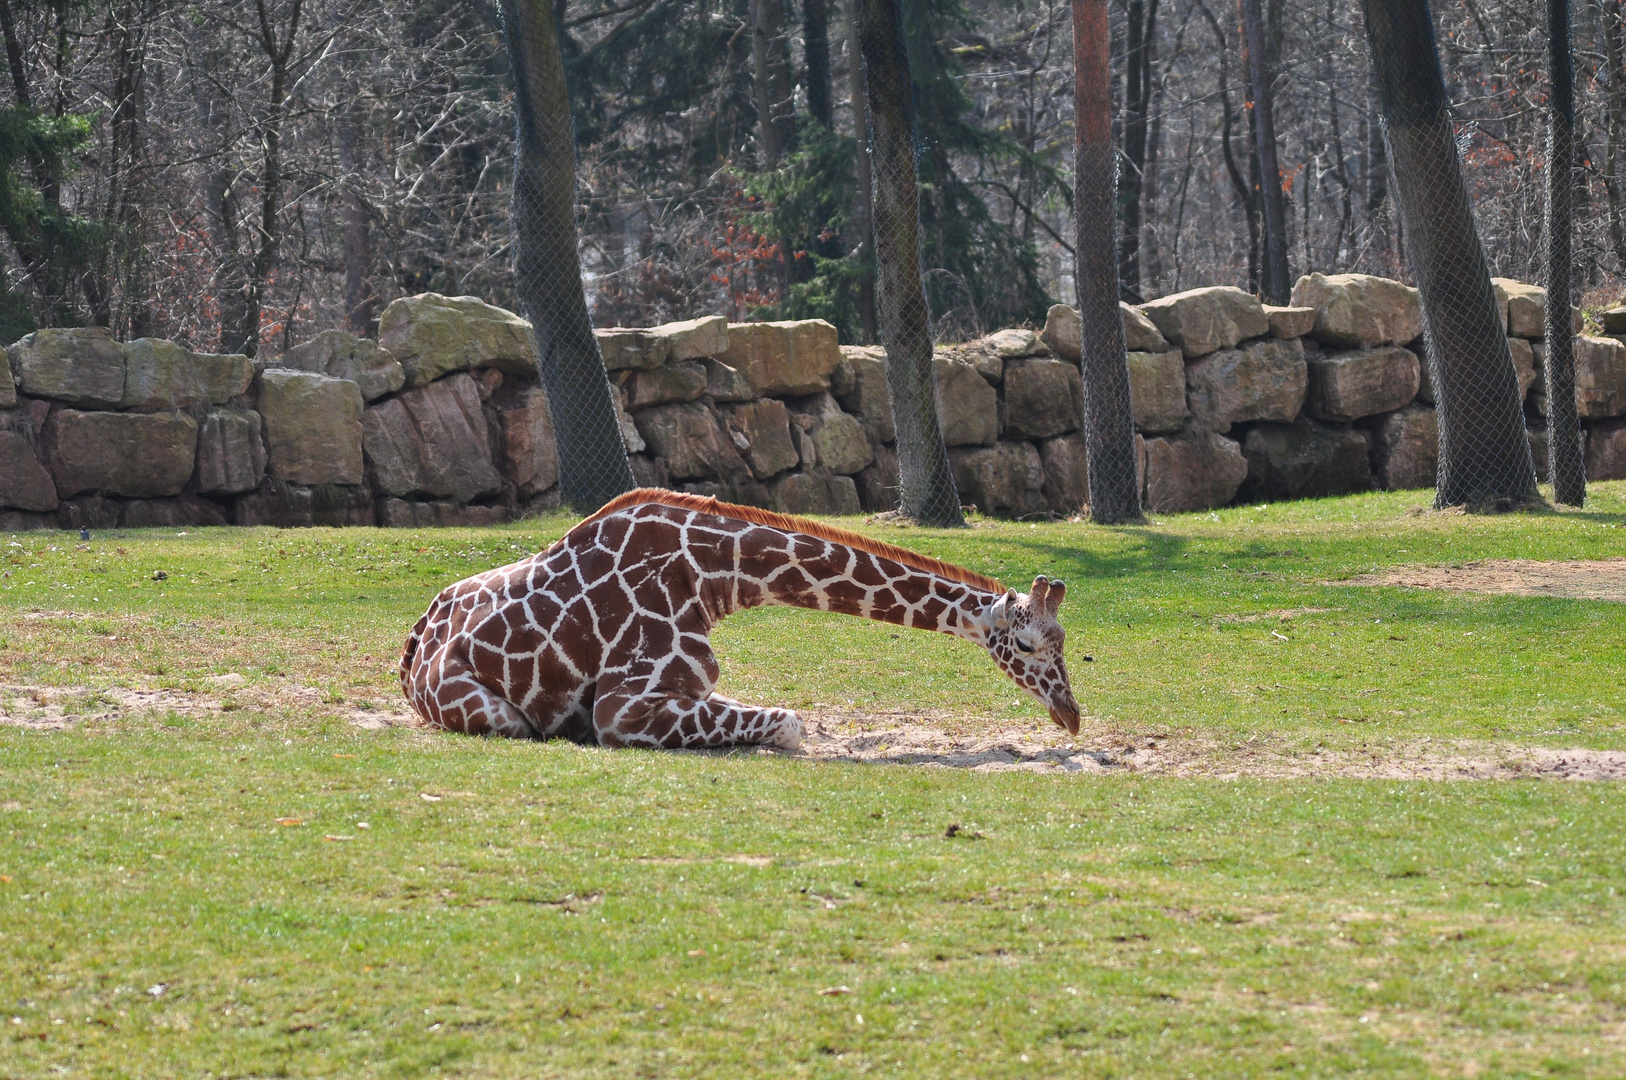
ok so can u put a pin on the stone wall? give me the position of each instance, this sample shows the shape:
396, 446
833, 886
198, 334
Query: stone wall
441, 421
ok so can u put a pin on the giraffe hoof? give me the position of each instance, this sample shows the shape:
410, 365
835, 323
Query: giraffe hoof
787, 733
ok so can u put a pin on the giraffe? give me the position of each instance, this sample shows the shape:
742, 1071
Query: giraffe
604, 637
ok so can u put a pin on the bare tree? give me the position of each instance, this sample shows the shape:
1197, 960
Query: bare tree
1273, 279
1485, 459
593, 464
1564, 459
1109, 419
929, 494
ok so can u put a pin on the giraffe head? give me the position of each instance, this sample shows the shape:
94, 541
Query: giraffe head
1026, 641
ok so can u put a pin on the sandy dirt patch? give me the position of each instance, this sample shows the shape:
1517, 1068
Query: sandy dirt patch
929, 741
853, 737
1581, 579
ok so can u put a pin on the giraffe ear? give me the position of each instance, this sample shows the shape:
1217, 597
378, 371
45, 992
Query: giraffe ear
1001, 611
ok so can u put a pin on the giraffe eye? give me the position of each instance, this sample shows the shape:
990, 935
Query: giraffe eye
1024, 645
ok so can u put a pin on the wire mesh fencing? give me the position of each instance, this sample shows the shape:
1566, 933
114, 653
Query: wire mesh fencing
593, 466
1485, 459
1109, 416
928, 493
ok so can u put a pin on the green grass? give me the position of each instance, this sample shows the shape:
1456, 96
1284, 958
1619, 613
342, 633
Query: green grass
557, 910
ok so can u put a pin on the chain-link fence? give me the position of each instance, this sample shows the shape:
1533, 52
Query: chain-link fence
1485, 459
927, 481
1109, 417
593, 465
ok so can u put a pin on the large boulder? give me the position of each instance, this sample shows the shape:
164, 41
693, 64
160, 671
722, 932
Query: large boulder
434, 335
1043, 398
784, 359
160, 375
1346, 386
625, 348
1066, 472
1195, 470
695, 338
274, 503
1600, 377
1524, 308
814, 493
8, 383
1263, 380
681, 381
530, 457
1288, 322
184, 511
1201, 321
839, 441
765, 427
346, 356
432, 441
633, 441
879, 487
871, 397
967, 407
1406, 449
1524, 365
1605, 450
726, 384
404, 514
24, 482
1007, 478
231, 453
1360, 310
689, 440
136, 455
79, 366
1157, 390
1063, 332
1303, 461
312, 427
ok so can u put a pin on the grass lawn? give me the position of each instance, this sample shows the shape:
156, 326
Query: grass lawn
196, 896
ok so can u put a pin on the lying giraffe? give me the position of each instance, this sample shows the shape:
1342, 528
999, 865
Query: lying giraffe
604, 637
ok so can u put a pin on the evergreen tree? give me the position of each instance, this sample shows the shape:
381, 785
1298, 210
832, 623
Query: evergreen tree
54, 247
979, 273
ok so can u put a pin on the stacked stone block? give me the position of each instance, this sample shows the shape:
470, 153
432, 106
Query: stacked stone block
442, 421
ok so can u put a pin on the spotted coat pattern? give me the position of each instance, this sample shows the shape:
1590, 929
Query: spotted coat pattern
604, 637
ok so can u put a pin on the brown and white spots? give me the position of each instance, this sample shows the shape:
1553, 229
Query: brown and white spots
605, 637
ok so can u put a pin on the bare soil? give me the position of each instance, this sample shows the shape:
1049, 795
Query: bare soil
933, 741
1581, 579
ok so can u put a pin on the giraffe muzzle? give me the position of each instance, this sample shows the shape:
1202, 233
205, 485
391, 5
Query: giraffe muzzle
1066, 716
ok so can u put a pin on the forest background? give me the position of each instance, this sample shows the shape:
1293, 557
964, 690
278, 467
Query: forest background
239, 176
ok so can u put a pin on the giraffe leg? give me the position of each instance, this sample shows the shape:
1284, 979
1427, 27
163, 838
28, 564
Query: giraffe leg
447, 692
673, 721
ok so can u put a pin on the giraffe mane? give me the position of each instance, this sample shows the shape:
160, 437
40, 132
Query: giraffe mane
706, 504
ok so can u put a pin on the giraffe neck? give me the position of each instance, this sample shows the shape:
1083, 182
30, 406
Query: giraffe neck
796, 570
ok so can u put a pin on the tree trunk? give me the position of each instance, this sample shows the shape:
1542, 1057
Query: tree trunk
1137, 94
1564, 459
863, 208
816, 53
1485, 459
770, 57
1274, 280
593, 464
929, 495
1109, 420
360, 299
1609, 14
